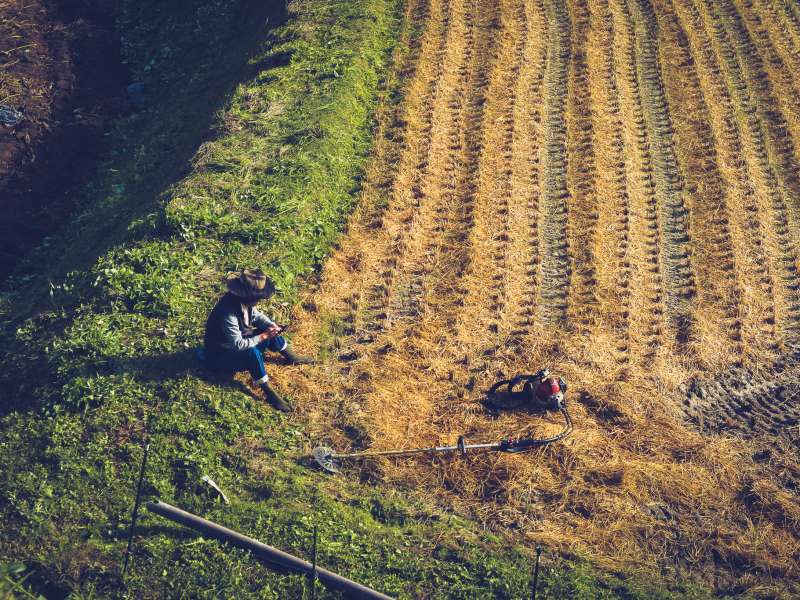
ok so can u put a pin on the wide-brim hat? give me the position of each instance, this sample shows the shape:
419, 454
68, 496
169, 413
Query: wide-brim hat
250, 284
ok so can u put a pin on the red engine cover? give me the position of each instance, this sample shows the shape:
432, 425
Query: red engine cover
548, 387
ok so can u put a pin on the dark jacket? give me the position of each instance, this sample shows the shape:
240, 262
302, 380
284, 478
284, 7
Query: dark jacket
227, 326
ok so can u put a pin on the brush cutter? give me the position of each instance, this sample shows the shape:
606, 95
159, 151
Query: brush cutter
535, 387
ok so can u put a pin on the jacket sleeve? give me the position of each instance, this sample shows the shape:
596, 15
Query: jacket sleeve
260, 320
233, 335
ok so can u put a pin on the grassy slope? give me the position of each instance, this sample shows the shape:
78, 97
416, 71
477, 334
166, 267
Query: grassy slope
107, 365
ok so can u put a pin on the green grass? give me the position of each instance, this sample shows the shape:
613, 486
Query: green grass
249, 153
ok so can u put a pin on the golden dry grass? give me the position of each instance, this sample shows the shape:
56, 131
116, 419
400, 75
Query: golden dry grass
436, 290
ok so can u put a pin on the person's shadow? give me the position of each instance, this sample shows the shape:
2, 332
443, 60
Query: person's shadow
159, 367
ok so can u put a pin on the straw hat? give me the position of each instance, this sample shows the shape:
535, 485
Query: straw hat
250, 284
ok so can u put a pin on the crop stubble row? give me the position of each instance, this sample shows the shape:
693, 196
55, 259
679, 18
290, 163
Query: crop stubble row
603, 169
548, 178
767, 156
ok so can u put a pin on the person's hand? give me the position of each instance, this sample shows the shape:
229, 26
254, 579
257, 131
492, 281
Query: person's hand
271, 332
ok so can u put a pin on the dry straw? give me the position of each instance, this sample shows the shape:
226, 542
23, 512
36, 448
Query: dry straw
433, 294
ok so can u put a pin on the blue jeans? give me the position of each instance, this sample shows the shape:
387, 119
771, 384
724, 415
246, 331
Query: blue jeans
252, 359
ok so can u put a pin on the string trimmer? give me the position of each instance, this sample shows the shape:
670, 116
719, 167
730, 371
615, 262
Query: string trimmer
538, 391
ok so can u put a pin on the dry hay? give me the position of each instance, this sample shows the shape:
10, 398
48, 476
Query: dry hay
636, 235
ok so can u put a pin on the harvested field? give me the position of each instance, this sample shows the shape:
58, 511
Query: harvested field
608, 188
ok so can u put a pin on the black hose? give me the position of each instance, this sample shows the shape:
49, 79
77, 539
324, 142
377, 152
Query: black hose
528, 443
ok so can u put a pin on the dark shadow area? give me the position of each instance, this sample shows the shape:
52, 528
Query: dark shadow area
41, 193
157, 368
40, 580
187, 79
146, 369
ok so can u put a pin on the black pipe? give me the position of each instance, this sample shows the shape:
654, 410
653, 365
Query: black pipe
263, 552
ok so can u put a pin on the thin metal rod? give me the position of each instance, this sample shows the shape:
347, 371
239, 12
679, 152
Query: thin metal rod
264, 552
536, 573
314, 567
493, 446
135, 511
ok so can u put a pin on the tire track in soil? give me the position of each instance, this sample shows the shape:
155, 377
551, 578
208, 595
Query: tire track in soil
748, 403
581, 176
719, 297
783, 49
444, 289
434, 238
433, 217
757, 311
554, 267
402, 146
477, 281
789, 20
488, 299
647, 296
778, 95
613, 227
430, 218
735, 51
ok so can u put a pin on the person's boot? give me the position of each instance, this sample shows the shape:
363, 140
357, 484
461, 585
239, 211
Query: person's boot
295, 359
274, 399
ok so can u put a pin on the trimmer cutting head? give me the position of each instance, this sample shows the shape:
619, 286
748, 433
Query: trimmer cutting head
324, 457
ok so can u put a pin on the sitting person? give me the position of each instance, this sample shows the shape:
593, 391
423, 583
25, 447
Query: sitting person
237, 333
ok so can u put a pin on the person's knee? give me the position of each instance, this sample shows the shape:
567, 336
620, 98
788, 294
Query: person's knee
254, 356
278, 344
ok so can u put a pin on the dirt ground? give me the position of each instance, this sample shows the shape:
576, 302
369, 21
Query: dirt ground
60, 67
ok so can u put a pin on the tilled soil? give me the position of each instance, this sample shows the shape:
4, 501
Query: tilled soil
36, 76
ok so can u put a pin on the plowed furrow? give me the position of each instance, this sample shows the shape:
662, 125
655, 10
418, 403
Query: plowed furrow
746, 220
751, 115
613, 228
719, 297
679, 284
521, 283
647, 298
581, 175
554, 274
